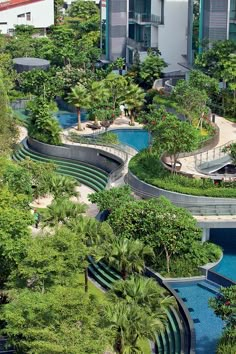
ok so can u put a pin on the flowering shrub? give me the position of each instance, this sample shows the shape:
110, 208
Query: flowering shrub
231, 150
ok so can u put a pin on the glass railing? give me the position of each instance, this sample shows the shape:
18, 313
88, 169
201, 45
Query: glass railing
144, 17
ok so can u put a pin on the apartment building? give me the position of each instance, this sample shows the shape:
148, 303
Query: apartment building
37, 13
136, 25
217, 20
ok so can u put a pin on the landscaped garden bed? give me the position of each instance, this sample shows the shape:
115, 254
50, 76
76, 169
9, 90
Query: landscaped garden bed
148, 167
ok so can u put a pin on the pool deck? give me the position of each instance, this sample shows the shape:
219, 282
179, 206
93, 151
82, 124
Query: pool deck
119, 122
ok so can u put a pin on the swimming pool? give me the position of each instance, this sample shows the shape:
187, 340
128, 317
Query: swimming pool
208, 327
65, 118
69, 119
136, 138
226, 238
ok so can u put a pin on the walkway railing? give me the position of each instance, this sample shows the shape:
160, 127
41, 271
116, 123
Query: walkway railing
211, 156
123, 151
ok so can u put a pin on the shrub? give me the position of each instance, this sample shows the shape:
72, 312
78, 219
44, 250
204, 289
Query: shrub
105, 138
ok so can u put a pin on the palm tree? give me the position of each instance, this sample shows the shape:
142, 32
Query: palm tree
128, 255
63, 186
131, 323
119, 63
144, 292
99, 97
94, 235
61, 211
134, 100
79, 97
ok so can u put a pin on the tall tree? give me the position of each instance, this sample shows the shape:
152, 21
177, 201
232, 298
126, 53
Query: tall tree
8, 129
61, 211
134, 99
168, 134
95, 235
191, 99
151, 67
130, 324
144, 292
58, 320
79, 97
128, 255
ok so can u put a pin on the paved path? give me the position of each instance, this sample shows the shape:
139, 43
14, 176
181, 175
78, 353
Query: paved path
227, 133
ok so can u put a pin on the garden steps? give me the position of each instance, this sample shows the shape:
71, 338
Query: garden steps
3, 349
168, 341
84, 173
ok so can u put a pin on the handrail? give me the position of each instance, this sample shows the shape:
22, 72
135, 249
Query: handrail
121, 150
212, 155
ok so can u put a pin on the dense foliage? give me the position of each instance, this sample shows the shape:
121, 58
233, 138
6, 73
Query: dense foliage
42, 125
170, 231
224, 306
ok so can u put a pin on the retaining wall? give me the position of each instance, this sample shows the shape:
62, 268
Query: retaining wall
196, 204
90, 155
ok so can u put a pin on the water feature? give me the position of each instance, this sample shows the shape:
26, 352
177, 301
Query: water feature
208, 327
139, 139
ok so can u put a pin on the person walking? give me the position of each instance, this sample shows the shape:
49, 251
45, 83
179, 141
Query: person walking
126, 110
36, 218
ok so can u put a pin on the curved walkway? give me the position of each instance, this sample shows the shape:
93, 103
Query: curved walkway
227, 134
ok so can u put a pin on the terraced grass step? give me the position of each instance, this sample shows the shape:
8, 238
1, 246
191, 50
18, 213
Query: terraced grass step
69, 164
101, 281
105, 275
80, 177
64, 161
84, 173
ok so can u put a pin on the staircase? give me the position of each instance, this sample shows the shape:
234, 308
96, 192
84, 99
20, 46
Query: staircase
3, 347
89, 175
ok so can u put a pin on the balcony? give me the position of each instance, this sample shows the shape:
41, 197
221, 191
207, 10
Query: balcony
144, 18
142, 46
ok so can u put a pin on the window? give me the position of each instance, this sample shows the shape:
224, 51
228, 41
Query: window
28, 16
21, 16
3, 23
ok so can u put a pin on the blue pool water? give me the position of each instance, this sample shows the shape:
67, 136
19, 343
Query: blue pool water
65, 118
68, 119
208, 327
136, 138
226, 238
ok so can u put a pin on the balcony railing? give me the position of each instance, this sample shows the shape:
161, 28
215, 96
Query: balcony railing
141, 46
144, 18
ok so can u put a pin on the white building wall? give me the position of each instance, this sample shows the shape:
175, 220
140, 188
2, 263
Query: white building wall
156, 7
42, 15
172, 36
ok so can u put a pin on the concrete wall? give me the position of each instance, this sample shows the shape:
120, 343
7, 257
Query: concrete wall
94, 156
172, 40
118, 28
196, 204
41, 13
215, 20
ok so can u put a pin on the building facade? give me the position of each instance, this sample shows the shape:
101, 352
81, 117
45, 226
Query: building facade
217, 20
37, 13
136, 25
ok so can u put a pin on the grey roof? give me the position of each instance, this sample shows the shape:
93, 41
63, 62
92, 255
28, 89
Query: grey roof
31, 62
